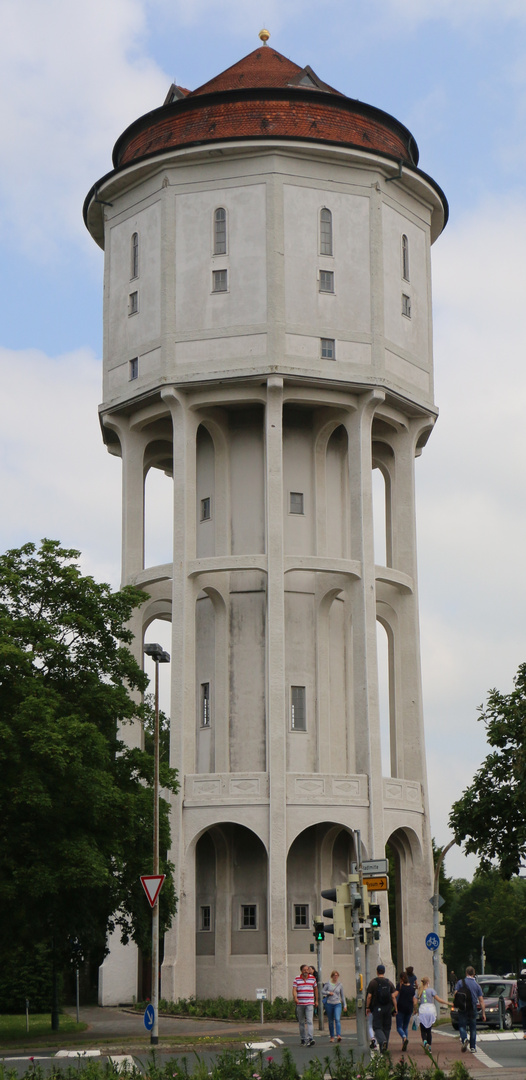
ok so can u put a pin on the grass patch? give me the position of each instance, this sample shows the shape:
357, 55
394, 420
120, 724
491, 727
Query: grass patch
13, 1028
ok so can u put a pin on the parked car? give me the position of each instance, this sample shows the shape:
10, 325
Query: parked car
494, 987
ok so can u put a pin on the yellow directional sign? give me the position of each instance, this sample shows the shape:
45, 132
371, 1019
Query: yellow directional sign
377, 884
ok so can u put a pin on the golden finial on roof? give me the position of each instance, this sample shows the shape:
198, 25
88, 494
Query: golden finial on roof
264, 35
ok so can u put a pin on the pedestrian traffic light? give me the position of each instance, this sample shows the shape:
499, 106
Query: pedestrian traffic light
319, 930
374, 915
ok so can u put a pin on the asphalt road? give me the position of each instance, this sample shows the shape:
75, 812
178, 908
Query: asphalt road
119, 1035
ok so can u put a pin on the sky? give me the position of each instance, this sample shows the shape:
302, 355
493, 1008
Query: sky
72, 77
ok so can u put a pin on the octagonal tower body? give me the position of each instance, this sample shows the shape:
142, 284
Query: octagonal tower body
268, 345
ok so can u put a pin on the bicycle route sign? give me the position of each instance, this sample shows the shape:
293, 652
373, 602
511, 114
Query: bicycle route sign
432, 941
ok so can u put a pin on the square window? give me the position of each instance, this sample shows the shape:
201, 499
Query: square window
219, 281
205, 917
133, 303
301, 916
134, 368
249, 917
205, 704
298, 714
206, 509
328, 351
296, 502
327, 281
406, 305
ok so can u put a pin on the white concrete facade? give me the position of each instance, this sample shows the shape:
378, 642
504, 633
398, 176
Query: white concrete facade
273, 591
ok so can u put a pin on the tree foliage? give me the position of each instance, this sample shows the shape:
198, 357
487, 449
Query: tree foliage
75, 802
489, 817
491, 908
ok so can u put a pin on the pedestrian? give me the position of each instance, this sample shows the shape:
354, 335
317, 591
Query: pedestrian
381, 1002
413, 981
406, 1005
521, 994
305, 994
427, 1013
468, 995
334, 1001
452, 981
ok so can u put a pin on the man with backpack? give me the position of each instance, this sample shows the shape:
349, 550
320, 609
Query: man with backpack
381, 1003
468, 995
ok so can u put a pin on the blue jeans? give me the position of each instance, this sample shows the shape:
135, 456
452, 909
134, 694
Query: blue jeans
402, 1023
305, 1014
465, 1022
334, 1013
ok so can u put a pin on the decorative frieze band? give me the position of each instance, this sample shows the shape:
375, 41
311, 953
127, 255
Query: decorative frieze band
402, 794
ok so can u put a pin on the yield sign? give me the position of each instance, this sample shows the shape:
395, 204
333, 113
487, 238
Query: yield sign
152, 884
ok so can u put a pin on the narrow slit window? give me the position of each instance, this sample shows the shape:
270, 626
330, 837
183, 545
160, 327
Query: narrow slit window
133, 303
406, 305
249, 917
205, 917
220, 231
296, 504
205, 704
298, 714
405, 258
206, 509
327, 348
326, 281
325, 231
135, 255
219, 281
134, 368
301, 916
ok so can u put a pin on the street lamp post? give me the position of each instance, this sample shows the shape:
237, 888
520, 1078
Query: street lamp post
159, 656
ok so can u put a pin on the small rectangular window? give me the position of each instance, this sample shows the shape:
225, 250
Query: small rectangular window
135, 255
219, 280
406, 305
206, 509
296, 502
301, 916
134, 368
327, 348
326, 281
205, 917
205, 704
133, 303
249, 917
298, 716
405, 258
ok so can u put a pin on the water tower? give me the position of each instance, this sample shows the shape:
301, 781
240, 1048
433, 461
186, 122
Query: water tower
268, 346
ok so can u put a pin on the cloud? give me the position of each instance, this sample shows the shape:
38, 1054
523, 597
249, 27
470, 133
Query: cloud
72, 77
57, 479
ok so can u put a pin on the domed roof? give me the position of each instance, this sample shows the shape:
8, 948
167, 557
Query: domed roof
263, 96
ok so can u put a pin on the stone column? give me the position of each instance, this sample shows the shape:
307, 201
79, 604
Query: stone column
178, 970
276, 693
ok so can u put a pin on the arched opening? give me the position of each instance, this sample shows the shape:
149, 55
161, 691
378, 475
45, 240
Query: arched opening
337, 501
379, 517
206, 510
385, 698
319, 858
231, 881
402, 852
158, 517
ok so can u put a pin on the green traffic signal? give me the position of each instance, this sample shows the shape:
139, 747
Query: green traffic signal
374, 914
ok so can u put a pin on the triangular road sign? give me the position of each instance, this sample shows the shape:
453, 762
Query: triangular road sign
152, 885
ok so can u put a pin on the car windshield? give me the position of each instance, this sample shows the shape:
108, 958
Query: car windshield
496, 989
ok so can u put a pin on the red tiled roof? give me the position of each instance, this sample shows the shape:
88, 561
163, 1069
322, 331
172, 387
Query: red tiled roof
264, 95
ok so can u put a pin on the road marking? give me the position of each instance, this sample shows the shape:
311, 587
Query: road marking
487, 1061
77, 1053
261, 1046
279, 1041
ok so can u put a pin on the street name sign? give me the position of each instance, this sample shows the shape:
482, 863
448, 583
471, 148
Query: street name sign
374, 867
152, 885
380, 883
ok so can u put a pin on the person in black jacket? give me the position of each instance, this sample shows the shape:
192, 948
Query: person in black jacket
406, 1004
381, 1002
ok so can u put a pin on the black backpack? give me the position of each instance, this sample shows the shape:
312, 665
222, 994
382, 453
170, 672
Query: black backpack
463, 1000
383, 992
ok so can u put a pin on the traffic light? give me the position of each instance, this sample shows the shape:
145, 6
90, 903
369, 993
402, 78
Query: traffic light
376, 921
341, 912
319, 930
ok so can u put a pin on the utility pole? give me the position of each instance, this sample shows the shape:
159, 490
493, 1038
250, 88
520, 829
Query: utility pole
357, 906
436, 921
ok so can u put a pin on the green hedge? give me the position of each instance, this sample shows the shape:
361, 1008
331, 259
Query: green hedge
235, 1009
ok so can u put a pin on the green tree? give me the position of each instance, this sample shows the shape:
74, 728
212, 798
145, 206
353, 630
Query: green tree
491, 908
489, 817
75, 802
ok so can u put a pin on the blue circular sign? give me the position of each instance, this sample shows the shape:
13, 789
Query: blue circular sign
432, 941
149, 1017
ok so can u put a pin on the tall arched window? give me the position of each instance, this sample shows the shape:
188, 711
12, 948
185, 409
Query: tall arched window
220, 231
405, 258
325, 231
134, 261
